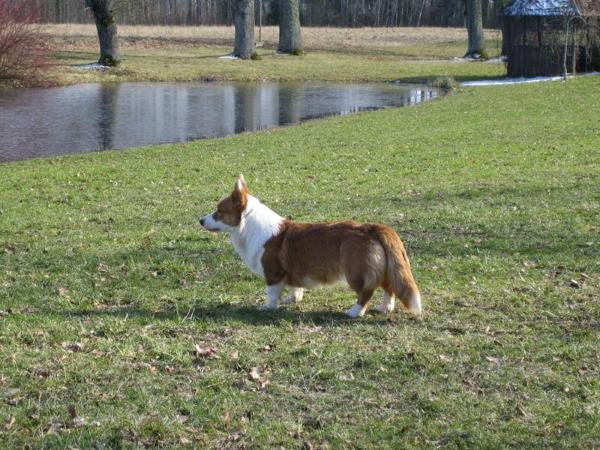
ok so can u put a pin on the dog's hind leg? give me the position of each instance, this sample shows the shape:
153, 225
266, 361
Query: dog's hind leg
273, 295
387, 305
358, 310
363, 265
295, 296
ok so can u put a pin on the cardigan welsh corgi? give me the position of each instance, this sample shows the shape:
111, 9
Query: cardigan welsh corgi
301, 255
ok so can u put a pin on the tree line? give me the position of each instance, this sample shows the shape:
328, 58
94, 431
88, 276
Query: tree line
342, 13
244, 16
16, 16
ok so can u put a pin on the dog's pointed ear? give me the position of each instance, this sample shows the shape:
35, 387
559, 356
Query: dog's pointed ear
240, 184
240, 192
242, 180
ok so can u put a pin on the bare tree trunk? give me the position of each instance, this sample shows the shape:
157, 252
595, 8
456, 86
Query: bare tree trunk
290, 35
243, 20
107, 31
475, 29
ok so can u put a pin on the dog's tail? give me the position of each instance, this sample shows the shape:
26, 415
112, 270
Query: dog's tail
399, 279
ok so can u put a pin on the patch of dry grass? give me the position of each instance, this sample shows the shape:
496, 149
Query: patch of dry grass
314, 38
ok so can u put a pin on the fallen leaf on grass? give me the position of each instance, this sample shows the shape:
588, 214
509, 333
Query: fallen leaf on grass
74, 347
79, 422
9, 423
254, 374
234, 437
446, 358
53, 428
206, 352
492, 359
225, 332
62, 292
267, 348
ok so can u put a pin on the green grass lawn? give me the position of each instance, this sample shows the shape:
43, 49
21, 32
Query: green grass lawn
203, 63
107, 284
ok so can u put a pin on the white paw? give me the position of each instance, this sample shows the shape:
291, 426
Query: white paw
268, 307
295, 296
384, 308
356, 311
289, 300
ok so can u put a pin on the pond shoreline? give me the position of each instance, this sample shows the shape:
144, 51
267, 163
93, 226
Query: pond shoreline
137, 114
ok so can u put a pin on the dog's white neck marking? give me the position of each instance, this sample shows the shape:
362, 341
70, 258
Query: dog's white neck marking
259, 224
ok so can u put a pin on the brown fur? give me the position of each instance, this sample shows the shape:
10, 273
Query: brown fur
229, 210
368, 256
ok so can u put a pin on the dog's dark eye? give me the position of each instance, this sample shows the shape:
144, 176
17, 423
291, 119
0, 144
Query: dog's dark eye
216, 215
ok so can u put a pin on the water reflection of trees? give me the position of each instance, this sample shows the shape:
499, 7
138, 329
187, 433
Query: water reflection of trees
107, 112
97, 117
291, 103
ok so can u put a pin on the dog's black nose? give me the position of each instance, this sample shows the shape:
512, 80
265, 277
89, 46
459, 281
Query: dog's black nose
202, 222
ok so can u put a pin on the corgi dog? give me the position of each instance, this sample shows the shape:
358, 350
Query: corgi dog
303, 255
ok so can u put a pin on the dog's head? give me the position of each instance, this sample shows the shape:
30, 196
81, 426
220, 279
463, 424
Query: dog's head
229, 211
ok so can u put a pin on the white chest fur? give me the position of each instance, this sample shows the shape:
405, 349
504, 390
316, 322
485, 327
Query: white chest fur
259, 223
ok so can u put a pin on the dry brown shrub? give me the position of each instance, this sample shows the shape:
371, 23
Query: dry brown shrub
24, 53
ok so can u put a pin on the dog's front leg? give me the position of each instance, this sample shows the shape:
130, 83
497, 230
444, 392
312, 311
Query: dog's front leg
273, 295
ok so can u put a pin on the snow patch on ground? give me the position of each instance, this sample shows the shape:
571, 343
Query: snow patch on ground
92, 66
465, 59
498, 60
522, 80
230, 56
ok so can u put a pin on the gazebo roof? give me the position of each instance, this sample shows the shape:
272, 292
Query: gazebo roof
545, 8
588, 7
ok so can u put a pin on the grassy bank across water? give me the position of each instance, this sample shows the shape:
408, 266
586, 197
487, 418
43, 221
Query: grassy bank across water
332, 54
107, 285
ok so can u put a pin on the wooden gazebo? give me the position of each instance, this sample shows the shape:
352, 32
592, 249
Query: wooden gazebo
552, 37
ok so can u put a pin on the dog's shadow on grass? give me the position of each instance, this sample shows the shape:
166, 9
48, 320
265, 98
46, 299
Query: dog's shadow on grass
231, 314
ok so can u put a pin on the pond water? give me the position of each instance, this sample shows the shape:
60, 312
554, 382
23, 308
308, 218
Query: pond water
91, 117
